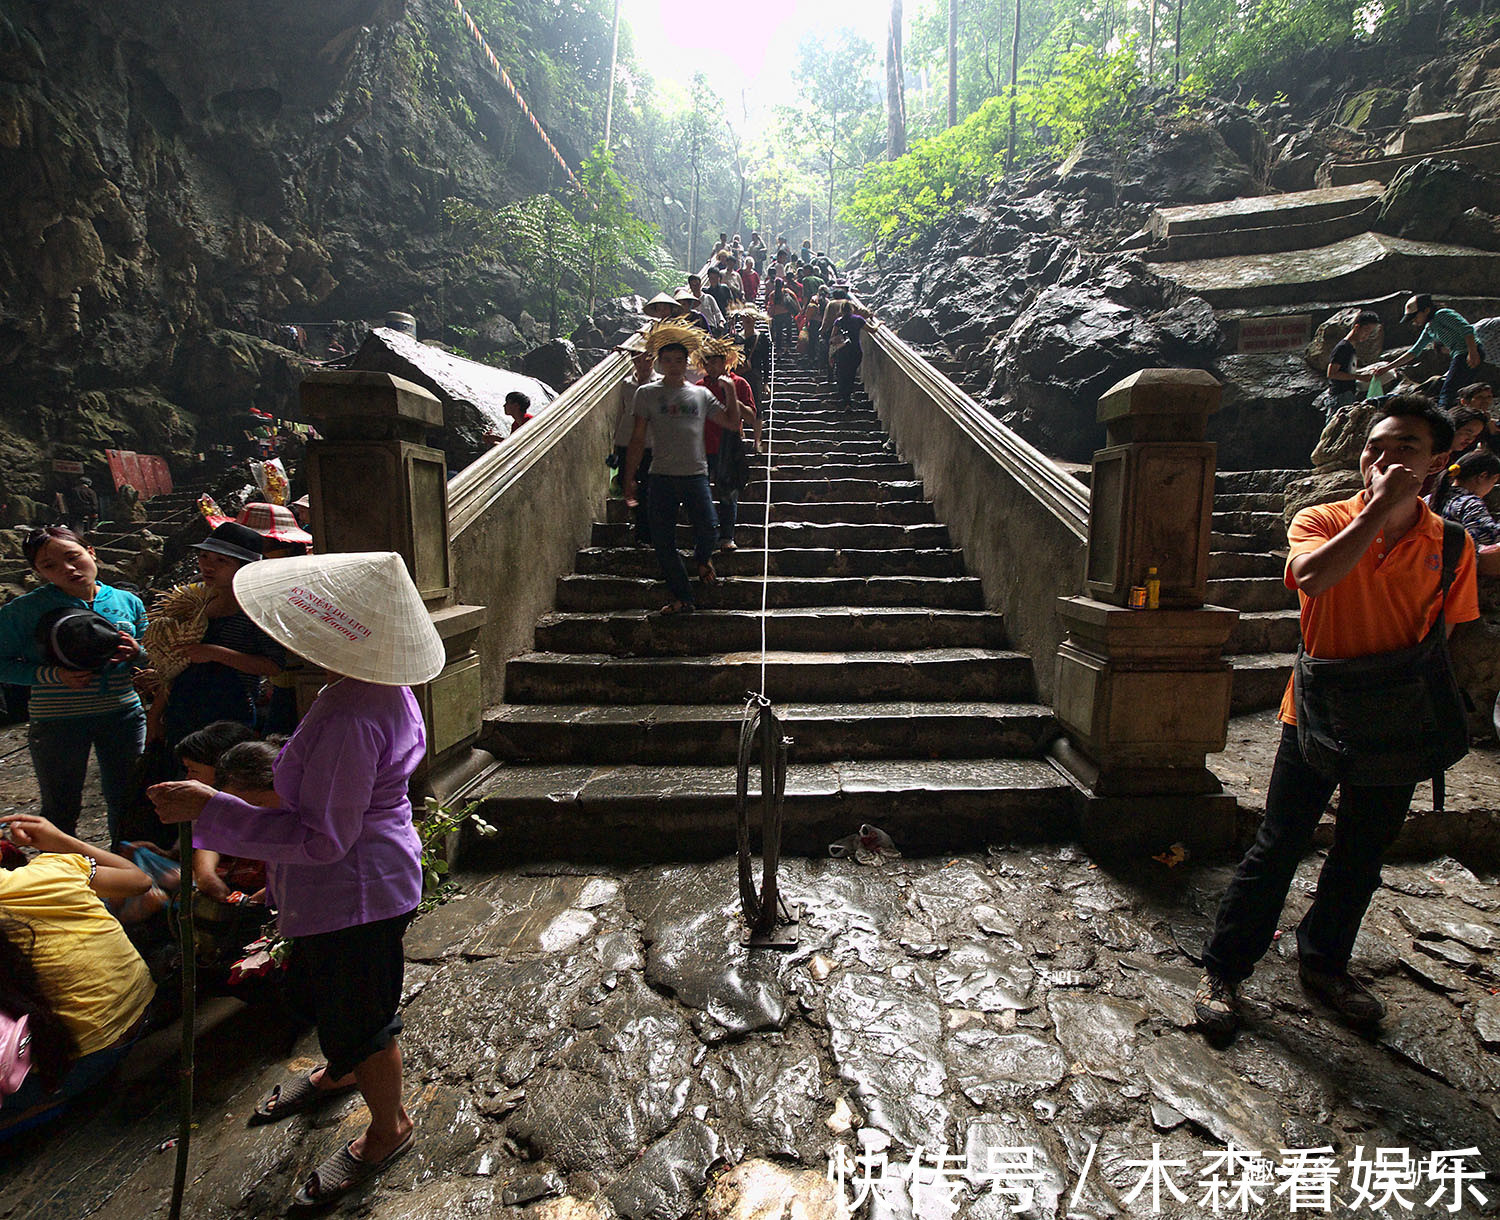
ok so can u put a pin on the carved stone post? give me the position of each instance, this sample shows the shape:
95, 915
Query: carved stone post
1143, 695
375, 485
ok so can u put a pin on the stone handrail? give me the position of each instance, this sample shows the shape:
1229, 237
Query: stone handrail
518, 515
1021, 520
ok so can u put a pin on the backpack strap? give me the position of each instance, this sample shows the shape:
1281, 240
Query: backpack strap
1454, 537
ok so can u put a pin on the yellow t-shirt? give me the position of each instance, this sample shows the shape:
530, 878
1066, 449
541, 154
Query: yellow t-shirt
91, 973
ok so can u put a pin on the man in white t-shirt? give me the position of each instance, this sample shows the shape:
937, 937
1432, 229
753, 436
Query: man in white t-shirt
675, 413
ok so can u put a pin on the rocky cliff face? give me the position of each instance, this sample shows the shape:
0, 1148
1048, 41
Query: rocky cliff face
174, 174
1037, 298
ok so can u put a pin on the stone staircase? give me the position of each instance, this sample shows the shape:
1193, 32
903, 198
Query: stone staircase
905, 706
1247, 557
115, 543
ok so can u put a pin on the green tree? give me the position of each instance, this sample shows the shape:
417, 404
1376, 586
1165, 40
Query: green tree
538, 237
620, 249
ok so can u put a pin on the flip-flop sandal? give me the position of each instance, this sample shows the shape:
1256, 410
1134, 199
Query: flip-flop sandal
728, 545
707, 575
343, 1171
295, 1096
672, 609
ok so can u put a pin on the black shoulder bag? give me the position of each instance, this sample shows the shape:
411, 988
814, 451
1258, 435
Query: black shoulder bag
1389, 718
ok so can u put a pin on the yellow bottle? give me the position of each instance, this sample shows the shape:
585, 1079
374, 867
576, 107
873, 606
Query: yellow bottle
1153, 590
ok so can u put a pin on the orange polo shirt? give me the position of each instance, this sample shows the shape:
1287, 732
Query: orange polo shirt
1389, 600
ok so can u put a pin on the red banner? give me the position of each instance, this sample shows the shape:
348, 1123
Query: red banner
146, 472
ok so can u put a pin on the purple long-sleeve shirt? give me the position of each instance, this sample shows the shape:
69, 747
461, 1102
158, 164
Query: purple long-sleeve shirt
341, 850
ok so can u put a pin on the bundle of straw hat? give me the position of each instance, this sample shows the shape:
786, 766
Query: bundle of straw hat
717, 347
673, 331
355, 614
179, 619
736, 312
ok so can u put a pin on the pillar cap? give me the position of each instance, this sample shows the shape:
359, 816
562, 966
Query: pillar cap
343, 393
1185, 392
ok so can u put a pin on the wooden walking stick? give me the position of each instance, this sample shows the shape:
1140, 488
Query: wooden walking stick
188, 949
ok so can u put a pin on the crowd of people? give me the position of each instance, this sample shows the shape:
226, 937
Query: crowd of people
695, 407
305, 821
1459, 491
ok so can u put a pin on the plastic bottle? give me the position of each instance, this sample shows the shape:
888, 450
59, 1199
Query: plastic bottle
1153, 590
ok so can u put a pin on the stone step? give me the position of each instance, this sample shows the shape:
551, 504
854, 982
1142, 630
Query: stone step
1252, 593
800, 535
1383, 169
800, 561
639, 813
1266, 631
709, 733
1273, 239
784, 446
859, 512
1352, 269
1259, 680
1225, 542
1263, 211
1250, 501
640, 633
790, 491
1256, 524
595, 593
813, 468
1231, 481
937, 673
1227, 565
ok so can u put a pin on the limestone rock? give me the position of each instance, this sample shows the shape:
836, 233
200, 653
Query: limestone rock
763, 1190
1267, 418
1424, 200
555, 362
1324, 487
72, 256
1328, 335
1372, 108
1343, 438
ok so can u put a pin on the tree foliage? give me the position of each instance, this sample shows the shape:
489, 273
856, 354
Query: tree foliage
896, 202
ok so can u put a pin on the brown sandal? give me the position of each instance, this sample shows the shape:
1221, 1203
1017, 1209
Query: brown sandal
343, 1171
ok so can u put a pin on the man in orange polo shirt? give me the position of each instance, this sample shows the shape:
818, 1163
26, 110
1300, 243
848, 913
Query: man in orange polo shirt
1367, 573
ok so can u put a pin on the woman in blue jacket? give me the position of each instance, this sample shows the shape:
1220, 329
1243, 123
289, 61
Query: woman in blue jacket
74, 711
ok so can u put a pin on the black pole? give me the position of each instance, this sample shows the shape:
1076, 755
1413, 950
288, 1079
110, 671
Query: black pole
188, 949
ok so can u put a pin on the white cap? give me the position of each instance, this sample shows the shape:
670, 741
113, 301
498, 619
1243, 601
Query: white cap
357, 614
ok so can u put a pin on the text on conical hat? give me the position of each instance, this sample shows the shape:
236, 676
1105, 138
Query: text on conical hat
326, 612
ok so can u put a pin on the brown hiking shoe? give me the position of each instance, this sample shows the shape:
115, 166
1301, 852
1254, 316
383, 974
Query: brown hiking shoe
1216, 1005
1343, 993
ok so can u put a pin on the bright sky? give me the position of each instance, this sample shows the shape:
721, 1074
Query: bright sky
747, 45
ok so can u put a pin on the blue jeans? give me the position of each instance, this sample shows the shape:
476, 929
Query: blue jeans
692, 493
1459, 374
1369, 819
60, 754
31, 1106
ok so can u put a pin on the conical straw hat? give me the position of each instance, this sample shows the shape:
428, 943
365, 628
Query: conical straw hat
356, 614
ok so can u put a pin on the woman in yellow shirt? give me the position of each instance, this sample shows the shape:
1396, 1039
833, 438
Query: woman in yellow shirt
67, 966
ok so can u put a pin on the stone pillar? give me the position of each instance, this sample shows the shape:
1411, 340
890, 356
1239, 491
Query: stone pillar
1143, 695
375, 485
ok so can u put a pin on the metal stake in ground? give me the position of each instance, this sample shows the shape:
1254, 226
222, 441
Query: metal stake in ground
772, 924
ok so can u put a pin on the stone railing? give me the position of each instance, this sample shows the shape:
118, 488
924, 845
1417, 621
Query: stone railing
1021, 519
518, 515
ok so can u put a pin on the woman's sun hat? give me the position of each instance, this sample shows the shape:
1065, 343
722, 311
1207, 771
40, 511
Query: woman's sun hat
233, 540
357, 614
274, 522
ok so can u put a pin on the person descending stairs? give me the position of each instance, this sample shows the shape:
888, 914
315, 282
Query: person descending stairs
906, 708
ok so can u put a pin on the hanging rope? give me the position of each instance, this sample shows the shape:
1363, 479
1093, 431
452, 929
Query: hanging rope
503, 77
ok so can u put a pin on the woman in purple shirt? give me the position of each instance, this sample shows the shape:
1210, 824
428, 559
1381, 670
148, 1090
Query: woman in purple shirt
343, 862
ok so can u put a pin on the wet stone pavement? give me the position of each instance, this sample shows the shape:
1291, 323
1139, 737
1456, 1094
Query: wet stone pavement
594, 1043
